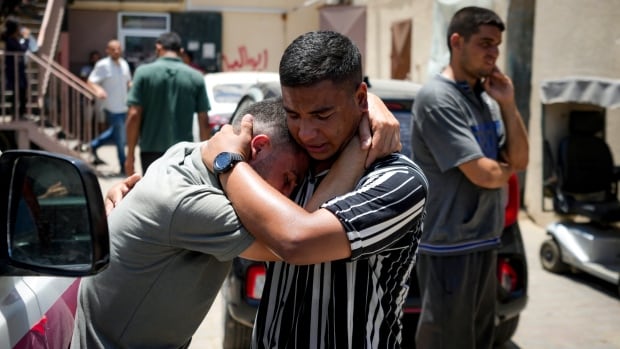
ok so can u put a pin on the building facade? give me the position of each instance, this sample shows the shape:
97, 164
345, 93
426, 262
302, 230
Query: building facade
402, 39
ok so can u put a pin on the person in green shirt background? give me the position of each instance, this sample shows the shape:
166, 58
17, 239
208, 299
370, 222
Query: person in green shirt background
162, 101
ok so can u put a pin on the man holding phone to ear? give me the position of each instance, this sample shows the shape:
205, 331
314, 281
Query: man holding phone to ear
468, 151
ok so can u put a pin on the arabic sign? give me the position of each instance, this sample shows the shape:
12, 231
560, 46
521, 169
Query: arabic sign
245, 61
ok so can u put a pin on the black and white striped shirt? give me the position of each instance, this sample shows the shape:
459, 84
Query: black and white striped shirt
357, 302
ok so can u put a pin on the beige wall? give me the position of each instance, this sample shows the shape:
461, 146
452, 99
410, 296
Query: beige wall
252, 41
382, 14
245, 5
144, 6
254, 33
262, 36
380, 17
301, 21
573, 37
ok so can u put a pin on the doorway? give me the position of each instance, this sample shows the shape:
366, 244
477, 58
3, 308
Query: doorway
138, 32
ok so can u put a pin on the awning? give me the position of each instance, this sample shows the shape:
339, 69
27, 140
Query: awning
597, 91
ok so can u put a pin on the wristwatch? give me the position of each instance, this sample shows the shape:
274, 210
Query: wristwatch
225, 161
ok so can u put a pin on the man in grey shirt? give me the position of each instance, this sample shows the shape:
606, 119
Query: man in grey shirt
172, 240
468, 152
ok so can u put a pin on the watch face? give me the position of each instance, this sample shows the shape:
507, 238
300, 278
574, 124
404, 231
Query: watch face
222, 162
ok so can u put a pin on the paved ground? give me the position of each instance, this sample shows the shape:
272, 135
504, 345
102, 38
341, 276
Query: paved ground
563, 312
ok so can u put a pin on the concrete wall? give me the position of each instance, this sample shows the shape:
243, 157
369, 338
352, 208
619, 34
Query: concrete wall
381, 15
254, 33
572, 37
262, 28
301, 21
96, 37
256, 41
244, 5
243, 41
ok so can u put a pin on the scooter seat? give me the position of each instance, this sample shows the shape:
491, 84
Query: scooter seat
608, 212
587, 180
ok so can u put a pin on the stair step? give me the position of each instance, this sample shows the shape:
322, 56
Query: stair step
28, 22
56, 138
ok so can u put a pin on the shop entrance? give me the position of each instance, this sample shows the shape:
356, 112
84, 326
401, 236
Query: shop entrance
137, 32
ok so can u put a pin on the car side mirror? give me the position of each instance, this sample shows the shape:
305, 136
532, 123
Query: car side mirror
55, 217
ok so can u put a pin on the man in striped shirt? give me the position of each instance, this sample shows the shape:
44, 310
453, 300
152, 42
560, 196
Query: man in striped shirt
370, 234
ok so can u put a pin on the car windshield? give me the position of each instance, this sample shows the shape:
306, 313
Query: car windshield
229, 93
404, 118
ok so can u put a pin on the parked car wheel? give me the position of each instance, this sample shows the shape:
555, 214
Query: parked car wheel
236, 335
551, 257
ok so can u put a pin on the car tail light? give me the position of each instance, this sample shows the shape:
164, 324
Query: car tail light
512, 206
40, 326
506, 275
255, 281
395, 106
217, 121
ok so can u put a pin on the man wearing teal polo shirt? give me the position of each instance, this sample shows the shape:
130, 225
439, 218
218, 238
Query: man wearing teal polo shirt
162, 101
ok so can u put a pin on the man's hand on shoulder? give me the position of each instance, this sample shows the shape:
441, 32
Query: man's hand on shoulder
226, 140
380, 130
118, 192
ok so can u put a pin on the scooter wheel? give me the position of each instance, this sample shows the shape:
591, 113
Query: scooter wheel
551, 258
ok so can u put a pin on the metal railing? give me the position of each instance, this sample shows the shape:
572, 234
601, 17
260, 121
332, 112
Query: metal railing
65, 103
66, 100
14, 86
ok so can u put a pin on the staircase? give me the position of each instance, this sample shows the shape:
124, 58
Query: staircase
59, 106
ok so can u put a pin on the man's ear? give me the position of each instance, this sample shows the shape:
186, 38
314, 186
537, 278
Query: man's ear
361, 97
455, 41
259, 144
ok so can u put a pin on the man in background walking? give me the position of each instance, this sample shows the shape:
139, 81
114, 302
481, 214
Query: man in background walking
162, 101
111, 79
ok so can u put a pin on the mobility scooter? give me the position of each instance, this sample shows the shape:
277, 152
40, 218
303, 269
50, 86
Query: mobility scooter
581, 179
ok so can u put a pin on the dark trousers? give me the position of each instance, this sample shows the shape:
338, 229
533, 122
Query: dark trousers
458, 300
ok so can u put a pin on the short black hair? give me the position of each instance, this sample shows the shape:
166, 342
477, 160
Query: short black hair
11, 26
170, 41
321, 55
467, 21
269, 118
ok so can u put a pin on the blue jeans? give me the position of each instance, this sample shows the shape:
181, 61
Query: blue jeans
115, 133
